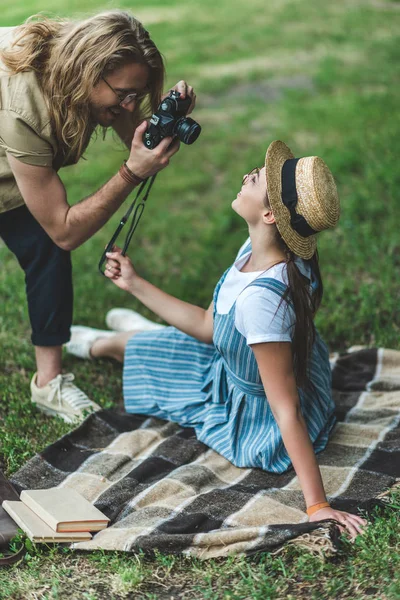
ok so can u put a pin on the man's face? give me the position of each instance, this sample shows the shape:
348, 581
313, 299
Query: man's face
105, 103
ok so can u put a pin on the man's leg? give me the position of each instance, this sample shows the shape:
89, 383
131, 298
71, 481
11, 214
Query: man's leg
48, 362
48, 279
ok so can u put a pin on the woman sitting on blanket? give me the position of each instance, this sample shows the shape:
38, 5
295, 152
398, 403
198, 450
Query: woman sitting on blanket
251, 374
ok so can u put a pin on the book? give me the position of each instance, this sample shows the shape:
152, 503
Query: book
37, 530
64, 509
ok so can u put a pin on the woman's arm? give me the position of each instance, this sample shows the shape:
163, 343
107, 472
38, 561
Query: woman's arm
275, 364
190, 319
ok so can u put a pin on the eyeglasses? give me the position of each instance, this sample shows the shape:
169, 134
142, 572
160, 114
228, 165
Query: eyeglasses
124, 100
249, 174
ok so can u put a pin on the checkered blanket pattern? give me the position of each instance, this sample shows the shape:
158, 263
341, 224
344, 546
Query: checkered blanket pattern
165, 490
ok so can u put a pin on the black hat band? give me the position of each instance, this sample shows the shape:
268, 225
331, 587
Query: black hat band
290, 198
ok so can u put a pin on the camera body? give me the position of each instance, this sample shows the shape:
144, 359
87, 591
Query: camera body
171, 120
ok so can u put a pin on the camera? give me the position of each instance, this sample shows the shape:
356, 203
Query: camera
170, 119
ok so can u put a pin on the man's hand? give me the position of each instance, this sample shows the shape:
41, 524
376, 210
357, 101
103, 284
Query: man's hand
185, 90
144, 162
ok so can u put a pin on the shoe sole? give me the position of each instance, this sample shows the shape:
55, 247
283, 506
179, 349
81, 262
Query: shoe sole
54, 413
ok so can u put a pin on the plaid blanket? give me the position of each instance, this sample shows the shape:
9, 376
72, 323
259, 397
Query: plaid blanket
165, 490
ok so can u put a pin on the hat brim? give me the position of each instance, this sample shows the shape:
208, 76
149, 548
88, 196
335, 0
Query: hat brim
277, 154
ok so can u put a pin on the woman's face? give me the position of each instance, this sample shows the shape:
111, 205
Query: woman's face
106, 96
249, 203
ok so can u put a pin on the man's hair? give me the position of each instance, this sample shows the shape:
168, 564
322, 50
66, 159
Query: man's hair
70, 57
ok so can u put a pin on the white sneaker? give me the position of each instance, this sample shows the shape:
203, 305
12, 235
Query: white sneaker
124, 319
82, 340
61, 398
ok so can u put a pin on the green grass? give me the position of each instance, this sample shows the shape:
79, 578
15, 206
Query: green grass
323, 77
367, 568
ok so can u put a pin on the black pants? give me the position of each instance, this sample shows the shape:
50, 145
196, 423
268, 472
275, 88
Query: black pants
48, 276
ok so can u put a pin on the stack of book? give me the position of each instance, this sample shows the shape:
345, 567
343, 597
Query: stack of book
55, 515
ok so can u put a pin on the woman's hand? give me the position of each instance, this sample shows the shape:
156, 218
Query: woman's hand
120, 270
348, 522
185, 90
144, 162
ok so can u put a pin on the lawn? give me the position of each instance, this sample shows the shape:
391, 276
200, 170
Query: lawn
323, 78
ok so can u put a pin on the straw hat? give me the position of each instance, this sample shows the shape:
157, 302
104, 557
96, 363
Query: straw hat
302, 195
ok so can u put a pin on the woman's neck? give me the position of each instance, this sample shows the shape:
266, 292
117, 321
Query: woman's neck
265, 252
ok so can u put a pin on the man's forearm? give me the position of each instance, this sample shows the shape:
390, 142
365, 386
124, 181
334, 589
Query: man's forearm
88, 216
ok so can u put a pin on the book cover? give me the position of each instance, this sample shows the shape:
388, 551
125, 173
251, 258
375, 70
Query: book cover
36, 529
64, 509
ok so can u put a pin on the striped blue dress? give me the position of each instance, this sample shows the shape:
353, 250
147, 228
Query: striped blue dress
217, 389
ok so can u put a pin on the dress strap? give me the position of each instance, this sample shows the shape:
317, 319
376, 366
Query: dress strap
245, 250
273, 285
217, 288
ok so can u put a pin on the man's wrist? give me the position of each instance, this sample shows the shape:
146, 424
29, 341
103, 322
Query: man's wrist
128, 175
135, 170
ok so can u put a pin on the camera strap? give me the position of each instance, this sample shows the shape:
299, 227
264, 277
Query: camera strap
138, 211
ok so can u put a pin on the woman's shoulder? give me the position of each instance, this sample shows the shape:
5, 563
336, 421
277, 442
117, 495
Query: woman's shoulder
263, 315
265, 293
269, 288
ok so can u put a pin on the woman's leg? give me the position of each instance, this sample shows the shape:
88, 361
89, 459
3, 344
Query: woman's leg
111, 347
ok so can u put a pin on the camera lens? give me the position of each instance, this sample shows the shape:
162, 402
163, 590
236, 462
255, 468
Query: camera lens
187, 130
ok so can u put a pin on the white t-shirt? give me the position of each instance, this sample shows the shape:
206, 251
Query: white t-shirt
260, 316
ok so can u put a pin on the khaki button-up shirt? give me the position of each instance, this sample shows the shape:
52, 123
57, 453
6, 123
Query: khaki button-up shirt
25, 128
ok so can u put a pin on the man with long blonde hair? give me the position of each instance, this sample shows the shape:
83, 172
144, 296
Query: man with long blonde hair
59, 80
